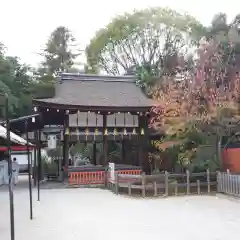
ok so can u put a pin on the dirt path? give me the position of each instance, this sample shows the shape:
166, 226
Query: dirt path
98, 214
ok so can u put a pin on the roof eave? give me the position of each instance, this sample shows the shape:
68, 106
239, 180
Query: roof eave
45, 104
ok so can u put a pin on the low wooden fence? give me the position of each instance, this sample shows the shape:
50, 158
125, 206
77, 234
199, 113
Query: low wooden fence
86, 178
166, 183
228, 183
98, 177
163, 184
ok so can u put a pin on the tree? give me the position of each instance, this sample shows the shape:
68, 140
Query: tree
209, 100
59, 54
14, 81
219, 63
219, 23
147, 41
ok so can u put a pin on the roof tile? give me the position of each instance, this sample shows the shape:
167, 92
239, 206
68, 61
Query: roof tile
95, 90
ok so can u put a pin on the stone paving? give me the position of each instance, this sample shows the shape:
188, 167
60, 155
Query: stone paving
92, 214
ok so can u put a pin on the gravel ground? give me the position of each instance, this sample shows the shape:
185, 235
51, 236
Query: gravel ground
98, 214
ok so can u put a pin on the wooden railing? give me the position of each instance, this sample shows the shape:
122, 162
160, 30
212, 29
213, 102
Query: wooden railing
95, 177
167, 183
86, 178
130, 172
162, 184
228, 183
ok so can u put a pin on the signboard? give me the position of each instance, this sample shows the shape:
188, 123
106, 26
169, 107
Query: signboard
112, 172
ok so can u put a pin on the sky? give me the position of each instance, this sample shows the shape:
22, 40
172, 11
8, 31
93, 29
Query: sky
26, 25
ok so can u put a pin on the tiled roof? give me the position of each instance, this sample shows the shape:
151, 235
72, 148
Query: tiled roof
99, 91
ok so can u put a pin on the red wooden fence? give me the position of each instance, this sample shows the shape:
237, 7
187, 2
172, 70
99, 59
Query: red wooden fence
86, 178
94, 178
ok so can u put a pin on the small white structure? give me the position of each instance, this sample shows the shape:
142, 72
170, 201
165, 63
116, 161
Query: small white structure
112, 172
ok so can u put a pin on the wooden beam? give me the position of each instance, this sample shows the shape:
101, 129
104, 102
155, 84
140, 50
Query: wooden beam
20, 118
66, 140
94, 153
105, 143
102, 109
143, 144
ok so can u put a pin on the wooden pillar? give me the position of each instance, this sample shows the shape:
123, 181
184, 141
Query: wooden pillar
39, 161
35, 160
143, 141
66, 138
105, 143
94, 153
63, 147
123, 155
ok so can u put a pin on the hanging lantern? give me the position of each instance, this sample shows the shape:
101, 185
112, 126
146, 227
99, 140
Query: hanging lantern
134, 131
125, 131
96, 132
115, 132
77, 134
67, 131
86, 131
142, 131
105, 132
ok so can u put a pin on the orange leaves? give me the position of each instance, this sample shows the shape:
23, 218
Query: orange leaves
213, 83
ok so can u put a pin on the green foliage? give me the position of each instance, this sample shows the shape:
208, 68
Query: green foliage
21, 83
133, 40
55, 153
58, 53
14, 81
200, 165
43, 90
187, 152
173, 153
48, 167
226, 33
85, 151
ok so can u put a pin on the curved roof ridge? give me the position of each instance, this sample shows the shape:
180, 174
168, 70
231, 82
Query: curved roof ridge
95, 77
